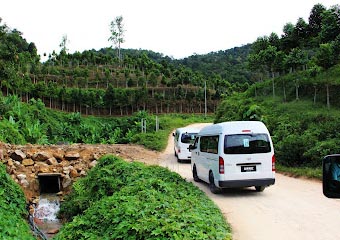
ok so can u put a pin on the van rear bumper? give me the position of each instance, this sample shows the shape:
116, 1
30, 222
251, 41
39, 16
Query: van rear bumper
246, 183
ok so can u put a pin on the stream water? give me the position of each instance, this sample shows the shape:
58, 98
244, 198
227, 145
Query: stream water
45, 215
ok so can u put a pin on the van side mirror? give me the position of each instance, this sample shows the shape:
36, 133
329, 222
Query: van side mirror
331, 176
191, 147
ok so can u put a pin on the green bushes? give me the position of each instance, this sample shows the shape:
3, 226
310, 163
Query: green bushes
303, 133
121, 200
22, 123
13, 209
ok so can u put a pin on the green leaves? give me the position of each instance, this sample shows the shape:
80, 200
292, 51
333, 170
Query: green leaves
13, 209
134, 201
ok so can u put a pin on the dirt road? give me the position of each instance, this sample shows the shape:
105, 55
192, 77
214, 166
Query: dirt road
291, 209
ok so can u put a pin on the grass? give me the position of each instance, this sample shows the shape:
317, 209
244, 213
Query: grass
159, 140
307, 172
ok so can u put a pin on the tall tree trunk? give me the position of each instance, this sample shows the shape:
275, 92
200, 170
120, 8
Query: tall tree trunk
284, 92
327, 90
314, 98
273, 83
297, 89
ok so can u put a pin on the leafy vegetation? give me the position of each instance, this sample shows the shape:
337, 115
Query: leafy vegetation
121, 200
303, 133
305, 172
305, 51
22, 123
13, 211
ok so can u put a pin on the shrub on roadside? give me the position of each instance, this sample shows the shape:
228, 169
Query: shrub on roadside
13, 209
121, 200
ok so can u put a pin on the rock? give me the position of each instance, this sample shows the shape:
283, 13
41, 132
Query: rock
21, 176
96, 156
16, 163
67, 170
41, 156
1, 154
64, 163
72, 156
38, 221
67, 181
60, 193
31, 210
24, 183
27, 162
74, 173
59, 154
52, 161
18, 155
93, 164
10, 163
53, 231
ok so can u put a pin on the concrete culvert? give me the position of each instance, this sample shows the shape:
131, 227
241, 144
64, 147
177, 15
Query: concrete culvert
49, 182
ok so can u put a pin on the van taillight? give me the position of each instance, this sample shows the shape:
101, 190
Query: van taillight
273, 163
221, 165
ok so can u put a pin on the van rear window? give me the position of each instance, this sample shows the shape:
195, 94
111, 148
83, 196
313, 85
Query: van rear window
188, 137
246, 144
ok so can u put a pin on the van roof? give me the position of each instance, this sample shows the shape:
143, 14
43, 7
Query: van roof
234, 127
188, 129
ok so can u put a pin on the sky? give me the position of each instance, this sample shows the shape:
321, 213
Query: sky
175, 28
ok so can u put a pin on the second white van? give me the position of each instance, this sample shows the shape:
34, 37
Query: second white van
183, 137
234, 155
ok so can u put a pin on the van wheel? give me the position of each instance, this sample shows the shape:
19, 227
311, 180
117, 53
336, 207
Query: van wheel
259, 188
212, 185
194, 174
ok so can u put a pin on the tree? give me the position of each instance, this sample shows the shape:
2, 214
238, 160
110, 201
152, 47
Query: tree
330, 28
301, 32
63, 43
314, 23
288, 40
117, 33
325, 56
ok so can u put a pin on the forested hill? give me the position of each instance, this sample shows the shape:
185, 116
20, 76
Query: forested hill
98, 82
229, 64
302, 62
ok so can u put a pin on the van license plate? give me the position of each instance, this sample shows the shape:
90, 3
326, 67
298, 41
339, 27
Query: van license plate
248, 168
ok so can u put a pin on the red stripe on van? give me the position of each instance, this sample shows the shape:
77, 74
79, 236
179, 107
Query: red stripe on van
246, 130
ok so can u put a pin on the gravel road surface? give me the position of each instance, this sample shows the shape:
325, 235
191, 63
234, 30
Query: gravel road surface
291, 209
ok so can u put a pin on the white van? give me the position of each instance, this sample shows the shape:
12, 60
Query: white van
233, 155
183, 137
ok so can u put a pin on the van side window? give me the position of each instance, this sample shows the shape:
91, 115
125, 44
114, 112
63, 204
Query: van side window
177, 135
209, 144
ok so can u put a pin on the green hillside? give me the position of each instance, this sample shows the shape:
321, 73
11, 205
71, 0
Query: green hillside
300, 66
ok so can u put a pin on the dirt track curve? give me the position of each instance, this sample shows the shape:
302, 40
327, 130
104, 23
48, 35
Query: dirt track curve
291, 209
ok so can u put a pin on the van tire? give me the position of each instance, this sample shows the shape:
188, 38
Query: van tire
212, 185
259, 188
194, 174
